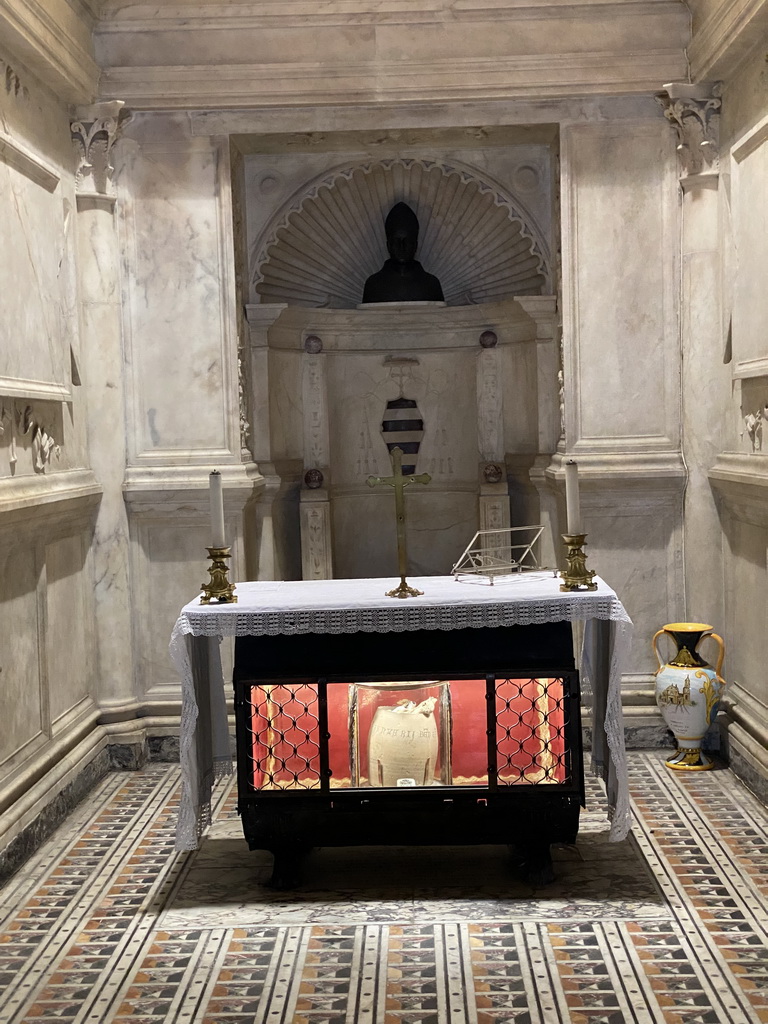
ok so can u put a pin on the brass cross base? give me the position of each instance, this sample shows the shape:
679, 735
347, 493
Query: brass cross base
403, 590
400, 482
219, 590
577, 576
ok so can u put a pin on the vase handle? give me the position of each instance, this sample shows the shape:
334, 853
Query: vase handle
656, 651
721, 653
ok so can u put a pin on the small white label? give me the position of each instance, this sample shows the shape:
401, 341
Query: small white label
406, 782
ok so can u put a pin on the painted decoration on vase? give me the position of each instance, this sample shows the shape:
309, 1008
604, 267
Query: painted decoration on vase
688, 692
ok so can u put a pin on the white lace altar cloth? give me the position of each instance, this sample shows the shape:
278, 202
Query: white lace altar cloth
350, 606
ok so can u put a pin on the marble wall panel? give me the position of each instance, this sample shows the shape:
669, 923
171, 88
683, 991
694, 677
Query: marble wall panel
443, 386
440, 525
177, 281
521, 399
746, 609
32, 228
171, 562
285, 413
39, 321
70, 634
749, 209
24, 715
620, 283
633, 544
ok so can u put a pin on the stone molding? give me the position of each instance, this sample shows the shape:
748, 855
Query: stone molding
54, 42
183, 490
293, 266
63, 497
694, 113
648, 471
127, 16
741, 484
370, 329
723, 40
28, 163
521, 121
537, 76
95, 129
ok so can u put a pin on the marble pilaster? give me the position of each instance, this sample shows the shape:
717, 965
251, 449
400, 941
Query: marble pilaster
620, 385
94, 131
315, 508
694, 113
493, 501
267, 559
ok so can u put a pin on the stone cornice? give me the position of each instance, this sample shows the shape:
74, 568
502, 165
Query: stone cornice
57, 496
313, 52
511, 78
726, 36
117, 18
54, 41
741, 482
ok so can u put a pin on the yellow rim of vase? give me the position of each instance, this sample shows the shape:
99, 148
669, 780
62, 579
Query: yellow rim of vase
687, 627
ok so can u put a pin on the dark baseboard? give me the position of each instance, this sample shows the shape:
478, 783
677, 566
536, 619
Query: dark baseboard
33, 835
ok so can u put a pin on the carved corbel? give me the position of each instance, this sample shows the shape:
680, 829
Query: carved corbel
694, 113
95, 130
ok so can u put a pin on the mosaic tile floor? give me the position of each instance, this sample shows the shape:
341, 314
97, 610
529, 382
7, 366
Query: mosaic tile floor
106, 923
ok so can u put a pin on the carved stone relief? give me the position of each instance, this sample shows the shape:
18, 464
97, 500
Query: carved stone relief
315, 409
481, 242
13, 84
753, 413
694, 113
94, 131
494, 513
316, 561
20, 421
490, 414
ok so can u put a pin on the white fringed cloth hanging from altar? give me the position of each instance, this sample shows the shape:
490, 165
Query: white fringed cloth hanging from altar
351, 606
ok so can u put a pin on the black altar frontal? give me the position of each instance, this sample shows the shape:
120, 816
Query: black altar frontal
449, 718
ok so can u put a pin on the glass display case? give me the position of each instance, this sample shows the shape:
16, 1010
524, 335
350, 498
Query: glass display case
343, 756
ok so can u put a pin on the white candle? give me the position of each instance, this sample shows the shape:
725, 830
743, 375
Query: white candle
217, 511
572, 506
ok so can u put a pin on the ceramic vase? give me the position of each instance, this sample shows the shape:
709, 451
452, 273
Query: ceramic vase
403, 746
688, 691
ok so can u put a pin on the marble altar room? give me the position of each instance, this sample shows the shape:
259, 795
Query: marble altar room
192, 195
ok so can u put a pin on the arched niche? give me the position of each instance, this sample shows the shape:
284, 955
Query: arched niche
475, 236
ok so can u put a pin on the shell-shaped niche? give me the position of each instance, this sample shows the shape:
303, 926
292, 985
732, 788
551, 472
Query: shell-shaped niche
480, 242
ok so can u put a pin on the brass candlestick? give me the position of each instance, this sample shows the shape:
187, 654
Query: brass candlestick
219, 590
577, 576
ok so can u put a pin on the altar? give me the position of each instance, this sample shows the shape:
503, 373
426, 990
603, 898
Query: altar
304, 650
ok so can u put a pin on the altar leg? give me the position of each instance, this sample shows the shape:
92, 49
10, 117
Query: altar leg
533, 861
288, 867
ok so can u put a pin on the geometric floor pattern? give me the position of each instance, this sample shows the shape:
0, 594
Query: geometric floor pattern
92, 931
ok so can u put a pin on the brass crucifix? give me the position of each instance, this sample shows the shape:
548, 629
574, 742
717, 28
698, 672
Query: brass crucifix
400, 482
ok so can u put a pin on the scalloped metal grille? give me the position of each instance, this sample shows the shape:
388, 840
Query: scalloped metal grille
285, 736
531, 723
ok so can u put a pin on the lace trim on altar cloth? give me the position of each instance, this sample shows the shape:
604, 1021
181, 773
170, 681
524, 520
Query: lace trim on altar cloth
200, 768
399, 619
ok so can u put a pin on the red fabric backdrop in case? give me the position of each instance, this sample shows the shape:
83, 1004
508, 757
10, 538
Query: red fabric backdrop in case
529, 732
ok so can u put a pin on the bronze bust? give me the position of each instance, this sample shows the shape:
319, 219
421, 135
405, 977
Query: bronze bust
402, 278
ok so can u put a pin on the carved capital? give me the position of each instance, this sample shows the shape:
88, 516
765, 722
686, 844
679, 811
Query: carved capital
694, 113
94, 131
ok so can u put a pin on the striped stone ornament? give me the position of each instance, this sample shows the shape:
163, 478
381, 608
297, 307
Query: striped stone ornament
403, 428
